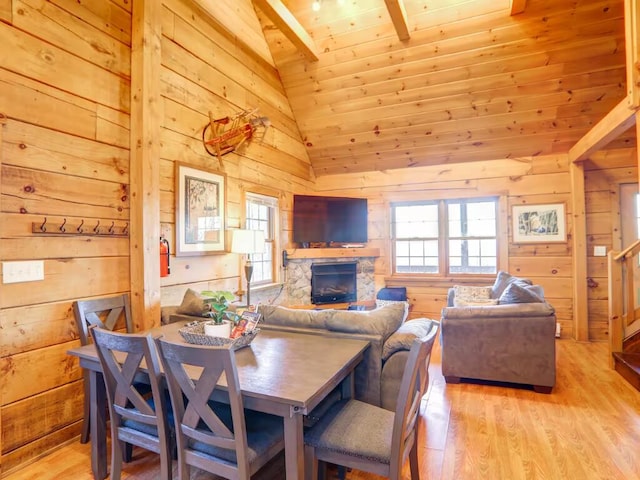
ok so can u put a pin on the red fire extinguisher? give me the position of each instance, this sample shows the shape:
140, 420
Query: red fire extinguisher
165, 251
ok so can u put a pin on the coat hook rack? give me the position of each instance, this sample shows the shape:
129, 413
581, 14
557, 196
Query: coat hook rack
66, 228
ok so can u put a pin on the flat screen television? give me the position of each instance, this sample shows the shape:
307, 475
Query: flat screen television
321, 219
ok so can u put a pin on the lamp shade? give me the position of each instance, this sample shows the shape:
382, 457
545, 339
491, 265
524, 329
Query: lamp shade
247, 241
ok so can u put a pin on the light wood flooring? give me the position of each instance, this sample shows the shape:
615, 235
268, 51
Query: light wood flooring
588, 428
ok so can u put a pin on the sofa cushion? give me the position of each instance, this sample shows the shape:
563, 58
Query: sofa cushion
503, 280
465, 295
294, 317
500, 311
403, 337
519, 292
381, 321
193, 304
405, 305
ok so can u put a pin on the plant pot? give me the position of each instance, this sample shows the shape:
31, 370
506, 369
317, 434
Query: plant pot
218, 329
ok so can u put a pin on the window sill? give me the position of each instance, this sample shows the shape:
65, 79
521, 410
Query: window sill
439, 281
265, 286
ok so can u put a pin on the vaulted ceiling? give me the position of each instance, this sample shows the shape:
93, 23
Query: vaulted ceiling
472, 82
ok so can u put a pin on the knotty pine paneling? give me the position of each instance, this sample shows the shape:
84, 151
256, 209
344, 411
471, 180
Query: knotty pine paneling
68, 32
47, 368
36, 416
5, 11
473, 82
15, 459
603, 176
38, 192
31, 146
112, 18
23, 328
60, 69
70, 279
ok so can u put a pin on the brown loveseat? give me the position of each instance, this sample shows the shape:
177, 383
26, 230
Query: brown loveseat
509, 337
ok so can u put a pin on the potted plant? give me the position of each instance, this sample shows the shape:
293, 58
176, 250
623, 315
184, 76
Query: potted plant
222, 320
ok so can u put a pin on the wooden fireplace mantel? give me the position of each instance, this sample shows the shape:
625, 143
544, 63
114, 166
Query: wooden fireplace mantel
338, 252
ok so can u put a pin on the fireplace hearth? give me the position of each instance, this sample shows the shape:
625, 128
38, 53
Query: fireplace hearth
334, 282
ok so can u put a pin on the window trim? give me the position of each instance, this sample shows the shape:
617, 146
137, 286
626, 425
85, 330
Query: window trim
272, 200
502, 242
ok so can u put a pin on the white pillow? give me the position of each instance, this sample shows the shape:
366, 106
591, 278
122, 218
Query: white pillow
466, 295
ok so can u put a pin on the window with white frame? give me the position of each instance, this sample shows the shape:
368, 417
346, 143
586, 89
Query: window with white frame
261, 212
446, 237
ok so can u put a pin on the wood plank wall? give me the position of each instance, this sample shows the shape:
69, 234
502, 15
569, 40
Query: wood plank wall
65, 90
518, 181
65, 154
604, 173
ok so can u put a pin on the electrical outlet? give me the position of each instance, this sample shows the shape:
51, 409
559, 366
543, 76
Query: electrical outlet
25, 271
599, 251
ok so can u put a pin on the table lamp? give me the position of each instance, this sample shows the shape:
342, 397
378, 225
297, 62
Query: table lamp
247, 242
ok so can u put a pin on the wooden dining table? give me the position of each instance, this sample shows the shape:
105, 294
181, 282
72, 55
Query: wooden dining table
281, 373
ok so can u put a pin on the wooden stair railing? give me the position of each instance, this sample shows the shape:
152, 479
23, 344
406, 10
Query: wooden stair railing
624, 339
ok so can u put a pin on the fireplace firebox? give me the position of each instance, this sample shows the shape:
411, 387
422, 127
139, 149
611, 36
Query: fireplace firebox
334, 282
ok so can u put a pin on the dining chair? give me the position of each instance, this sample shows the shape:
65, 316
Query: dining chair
220, 438
109, 313
135, 419
365, 437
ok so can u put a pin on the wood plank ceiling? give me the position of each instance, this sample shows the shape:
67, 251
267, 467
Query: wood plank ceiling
472, 82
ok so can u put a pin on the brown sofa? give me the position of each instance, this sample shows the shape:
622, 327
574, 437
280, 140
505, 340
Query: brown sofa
378, 376
510, 341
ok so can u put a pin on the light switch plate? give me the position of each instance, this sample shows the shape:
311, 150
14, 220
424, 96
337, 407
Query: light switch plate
599, 251
23, 271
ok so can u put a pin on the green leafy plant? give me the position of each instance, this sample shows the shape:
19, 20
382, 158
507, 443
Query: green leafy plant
219, 302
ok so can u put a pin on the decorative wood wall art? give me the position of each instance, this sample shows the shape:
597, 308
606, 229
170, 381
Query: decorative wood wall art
539, 223
200, 211
108, 228
224, 135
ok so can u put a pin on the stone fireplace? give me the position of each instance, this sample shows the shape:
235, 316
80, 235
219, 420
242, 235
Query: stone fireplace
299, 273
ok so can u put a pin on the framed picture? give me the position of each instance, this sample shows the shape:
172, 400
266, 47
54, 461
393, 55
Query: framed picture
539, 223
200, 211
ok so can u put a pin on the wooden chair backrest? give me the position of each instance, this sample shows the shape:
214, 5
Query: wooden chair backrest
412, 389
103, 312
178, 360
121, 356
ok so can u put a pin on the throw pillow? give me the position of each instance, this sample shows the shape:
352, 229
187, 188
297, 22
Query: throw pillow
464, 302
392, 293
519, 292
381, 321
382, 303
294, 317
503, 280
466, 295
193, 304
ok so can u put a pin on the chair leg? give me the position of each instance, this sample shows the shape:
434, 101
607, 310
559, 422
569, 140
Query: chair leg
413, 462
84, 436
127, 452
166, 466
116, 458
311, 464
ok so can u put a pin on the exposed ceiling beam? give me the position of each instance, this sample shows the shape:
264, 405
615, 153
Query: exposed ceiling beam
518, 6
399, 18
280, 15
616, 122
